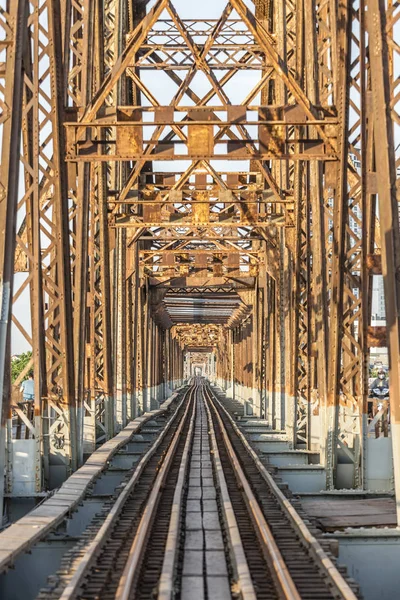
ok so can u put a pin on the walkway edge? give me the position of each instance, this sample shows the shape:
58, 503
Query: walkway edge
29, 530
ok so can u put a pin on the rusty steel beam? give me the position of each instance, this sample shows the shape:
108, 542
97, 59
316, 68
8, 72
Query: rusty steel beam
388, 211
129, 259
14, 38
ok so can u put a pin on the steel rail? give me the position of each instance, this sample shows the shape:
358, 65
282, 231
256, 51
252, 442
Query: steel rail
239, 560
166, 585
279, 570
318, 554
138, 547
87, 560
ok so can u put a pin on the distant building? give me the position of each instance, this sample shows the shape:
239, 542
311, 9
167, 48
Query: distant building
378, 299
378, 355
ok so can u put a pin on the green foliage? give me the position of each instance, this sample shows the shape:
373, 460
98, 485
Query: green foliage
18, 365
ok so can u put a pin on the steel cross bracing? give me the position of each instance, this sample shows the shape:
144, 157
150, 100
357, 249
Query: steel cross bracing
183, 186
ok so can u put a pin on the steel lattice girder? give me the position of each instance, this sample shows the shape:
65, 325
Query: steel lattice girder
298, 229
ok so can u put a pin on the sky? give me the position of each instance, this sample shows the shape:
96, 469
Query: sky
197, 9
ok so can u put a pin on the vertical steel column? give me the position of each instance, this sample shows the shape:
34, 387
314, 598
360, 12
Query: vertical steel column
318, 319
144, 341
120, 330
341, 199
174, 363
79, 50
100, 299
302, 313
120, 20
170, 360
388, 212
316, 282
101, 322
47, 231
244, 361
140, 357
240, 370
269, 351
232, 361
281, 171
363, 212
33, 203
178, 361
135, 340
263, 350
248, 367
9, 168
130, 337
370, 238
28, 259
168, 365
61, 372
151, 357
286, 295
146, 355
255, 352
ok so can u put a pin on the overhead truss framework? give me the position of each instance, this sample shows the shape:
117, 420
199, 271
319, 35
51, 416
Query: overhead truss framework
173, 184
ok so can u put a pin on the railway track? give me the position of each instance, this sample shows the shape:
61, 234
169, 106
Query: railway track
200, 518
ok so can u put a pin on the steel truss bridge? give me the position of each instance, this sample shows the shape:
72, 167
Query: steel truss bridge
182, 192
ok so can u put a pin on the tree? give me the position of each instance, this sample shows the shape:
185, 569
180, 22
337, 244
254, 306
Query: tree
19, 363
